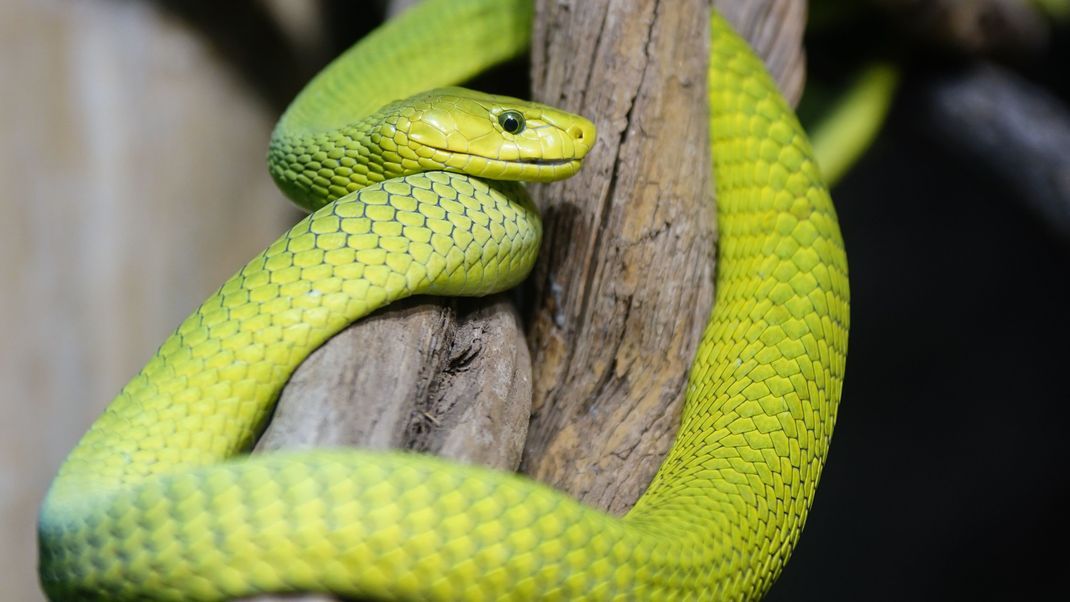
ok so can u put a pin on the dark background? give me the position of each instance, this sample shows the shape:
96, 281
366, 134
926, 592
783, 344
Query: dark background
947, 473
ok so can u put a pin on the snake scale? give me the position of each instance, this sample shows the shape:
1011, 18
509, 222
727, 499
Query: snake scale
158, 501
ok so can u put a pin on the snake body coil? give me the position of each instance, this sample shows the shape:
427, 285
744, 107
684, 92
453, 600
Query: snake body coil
157, 501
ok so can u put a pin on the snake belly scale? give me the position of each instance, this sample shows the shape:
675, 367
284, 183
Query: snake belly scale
158, 502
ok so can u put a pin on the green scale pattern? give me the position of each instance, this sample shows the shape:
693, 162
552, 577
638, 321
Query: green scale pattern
154, 504
206, 393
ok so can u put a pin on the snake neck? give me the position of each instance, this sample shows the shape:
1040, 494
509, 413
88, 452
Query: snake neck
321, 148
314, 167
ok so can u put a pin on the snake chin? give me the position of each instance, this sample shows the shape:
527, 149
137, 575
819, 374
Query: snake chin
549, 161
528, 170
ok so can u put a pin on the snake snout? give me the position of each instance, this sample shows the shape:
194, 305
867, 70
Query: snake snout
583, 134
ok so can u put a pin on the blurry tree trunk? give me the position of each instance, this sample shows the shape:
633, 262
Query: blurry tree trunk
132, 169
1006, 125
1008, 27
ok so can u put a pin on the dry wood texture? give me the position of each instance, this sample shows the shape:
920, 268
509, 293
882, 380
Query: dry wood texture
452, 379
625, 280
623, 286
111, 240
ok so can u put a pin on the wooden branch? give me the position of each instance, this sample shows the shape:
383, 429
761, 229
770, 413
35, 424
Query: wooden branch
440, 376
625, 279
451, 378
624, 283
774, 28
622, 290
420, 375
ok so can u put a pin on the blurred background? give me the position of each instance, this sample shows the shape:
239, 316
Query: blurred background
132, 183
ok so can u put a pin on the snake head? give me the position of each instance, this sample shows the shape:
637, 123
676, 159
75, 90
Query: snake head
497, 137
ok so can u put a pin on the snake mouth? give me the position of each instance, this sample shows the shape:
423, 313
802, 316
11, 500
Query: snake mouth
531, 170
521, 161
548, 162
553, 168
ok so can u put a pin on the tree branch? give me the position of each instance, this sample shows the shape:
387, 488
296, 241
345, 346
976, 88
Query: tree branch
625, 281
621, 292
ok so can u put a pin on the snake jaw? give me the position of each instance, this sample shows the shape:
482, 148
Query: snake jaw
519, 169
459, 130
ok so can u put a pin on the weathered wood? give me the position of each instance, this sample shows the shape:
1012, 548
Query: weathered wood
625, 280
132, 163
774, 28
624, 283
452, 379
419, 375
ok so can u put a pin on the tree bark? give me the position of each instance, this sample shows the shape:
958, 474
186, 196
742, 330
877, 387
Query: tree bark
435, 376
621, 291
774, 28
625, 281
441, 376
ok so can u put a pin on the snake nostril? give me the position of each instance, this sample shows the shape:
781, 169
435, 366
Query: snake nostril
576, 132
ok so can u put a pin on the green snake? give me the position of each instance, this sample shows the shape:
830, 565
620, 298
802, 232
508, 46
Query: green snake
158, 501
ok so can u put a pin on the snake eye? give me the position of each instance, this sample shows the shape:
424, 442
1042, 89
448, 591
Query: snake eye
511, 121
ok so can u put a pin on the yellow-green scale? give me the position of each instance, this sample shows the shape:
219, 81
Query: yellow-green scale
764, 385
439, 45
148, 505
